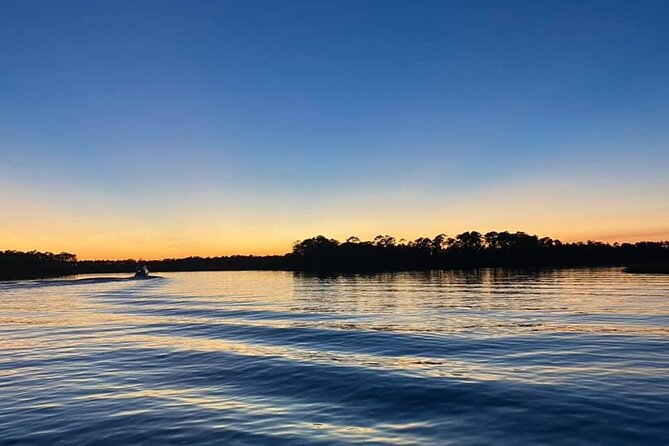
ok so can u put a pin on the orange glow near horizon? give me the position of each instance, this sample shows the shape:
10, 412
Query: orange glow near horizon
93, 228
143, 244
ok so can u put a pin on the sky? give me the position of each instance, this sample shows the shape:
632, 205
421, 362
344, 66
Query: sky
151, 129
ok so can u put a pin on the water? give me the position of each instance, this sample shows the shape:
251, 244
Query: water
490, 357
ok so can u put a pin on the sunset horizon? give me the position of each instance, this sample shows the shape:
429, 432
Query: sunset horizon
158, 130
282, 248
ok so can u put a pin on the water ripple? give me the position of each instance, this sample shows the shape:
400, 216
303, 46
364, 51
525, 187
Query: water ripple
489, 356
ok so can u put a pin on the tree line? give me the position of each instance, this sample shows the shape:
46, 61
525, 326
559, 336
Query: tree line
469, 249
34, 264
384, 253
194, 263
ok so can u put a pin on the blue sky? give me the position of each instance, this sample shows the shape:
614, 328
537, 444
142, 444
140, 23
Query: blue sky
203, 127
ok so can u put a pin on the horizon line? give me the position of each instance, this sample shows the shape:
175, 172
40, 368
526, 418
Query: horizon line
631, 238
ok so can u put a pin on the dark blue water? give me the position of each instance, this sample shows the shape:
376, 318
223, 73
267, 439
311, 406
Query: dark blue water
557, 357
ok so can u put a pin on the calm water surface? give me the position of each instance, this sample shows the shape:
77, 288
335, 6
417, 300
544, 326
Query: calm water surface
489, 357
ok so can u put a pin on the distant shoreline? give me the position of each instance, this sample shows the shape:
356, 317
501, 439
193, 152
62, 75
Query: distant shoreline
320, 254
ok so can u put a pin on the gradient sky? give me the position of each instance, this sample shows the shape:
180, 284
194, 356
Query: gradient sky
173, 128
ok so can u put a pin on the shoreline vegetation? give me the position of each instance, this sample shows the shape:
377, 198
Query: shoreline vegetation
384, 253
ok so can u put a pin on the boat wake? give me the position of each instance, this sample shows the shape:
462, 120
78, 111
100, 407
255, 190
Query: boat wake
83, 281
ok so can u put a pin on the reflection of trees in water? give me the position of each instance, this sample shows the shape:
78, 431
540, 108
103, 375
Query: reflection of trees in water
394, 291
488, 299
390, 291
362, 293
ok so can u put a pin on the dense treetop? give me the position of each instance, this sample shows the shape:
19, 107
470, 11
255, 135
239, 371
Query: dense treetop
467, 250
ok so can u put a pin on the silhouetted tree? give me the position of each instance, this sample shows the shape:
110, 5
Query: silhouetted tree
315, 245
384, 241
470, 241
422, 244
35, 265
440, 242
